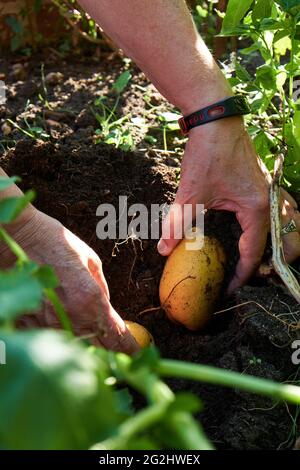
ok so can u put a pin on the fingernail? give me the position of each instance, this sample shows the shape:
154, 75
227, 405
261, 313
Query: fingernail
162, 247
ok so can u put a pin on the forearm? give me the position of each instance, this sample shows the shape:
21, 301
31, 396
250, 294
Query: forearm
159, 35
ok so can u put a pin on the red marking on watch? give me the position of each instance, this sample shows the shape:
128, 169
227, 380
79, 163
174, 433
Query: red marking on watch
182, 125
216, 111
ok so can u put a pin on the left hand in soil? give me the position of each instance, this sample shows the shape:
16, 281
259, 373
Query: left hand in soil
83, 288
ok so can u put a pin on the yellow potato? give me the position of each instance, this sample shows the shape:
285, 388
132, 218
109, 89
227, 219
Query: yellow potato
191, 282
140, 334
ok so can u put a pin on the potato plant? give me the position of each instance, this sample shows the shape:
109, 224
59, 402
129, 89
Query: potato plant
267, 70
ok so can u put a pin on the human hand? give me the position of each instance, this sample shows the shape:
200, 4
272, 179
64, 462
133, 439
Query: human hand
221, 170
291, 241
83, 288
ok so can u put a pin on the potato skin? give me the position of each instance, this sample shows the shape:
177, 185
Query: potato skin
140, 334
191, 282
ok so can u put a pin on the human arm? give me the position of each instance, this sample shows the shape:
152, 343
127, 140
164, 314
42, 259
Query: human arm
83, 288
220, 168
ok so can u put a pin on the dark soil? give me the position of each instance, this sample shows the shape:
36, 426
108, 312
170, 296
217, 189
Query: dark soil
72, 176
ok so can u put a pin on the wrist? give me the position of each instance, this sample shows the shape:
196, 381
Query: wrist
201, 94
204, 140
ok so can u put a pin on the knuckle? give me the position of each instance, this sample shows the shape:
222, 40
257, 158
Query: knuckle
262, 202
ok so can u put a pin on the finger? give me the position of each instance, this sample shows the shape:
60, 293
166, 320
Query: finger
251, 247
177, 224
94, 312
290, 213
291, 247
291, 241
112, 331
172, 230
287, 197
95, 268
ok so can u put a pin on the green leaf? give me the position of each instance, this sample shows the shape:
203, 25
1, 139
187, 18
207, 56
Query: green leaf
7, 182
235, 12
122, 81
296, 126
173, 126
291, 6
266, 77
53, 394
15, 43
46, 277
146, 358
185, 401
143, 443
262, 145
124, 402
262, 9
242, 73
282, 43
268, 24
15, 25
253, 48
169, 117
11, 207
20, 292
202, 12
150, 139
292, 161
37, 130
241, 30
281, 79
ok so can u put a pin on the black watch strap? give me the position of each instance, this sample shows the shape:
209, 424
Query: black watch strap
233, 106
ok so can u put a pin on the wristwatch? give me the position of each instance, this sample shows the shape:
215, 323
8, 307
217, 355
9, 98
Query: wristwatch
232, 106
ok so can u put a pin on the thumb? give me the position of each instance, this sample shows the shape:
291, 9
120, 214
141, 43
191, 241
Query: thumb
178, 223
172, 229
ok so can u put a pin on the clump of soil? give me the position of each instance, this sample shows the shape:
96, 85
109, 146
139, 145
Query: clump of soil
72, 176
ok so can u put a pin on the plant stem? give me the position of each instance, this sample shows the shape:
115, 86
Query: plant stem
188, 431
292, 59
20, 129
226, 378
134, 425
165, 138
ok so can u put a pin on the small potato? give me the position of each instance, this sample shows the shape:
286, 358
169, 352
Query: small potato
191, 282
140, 334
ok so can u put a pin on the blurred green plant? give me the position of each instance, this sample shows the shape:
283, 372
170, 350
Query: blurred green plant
58, 392
81, 23
205, 18
23, 27
23, 286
